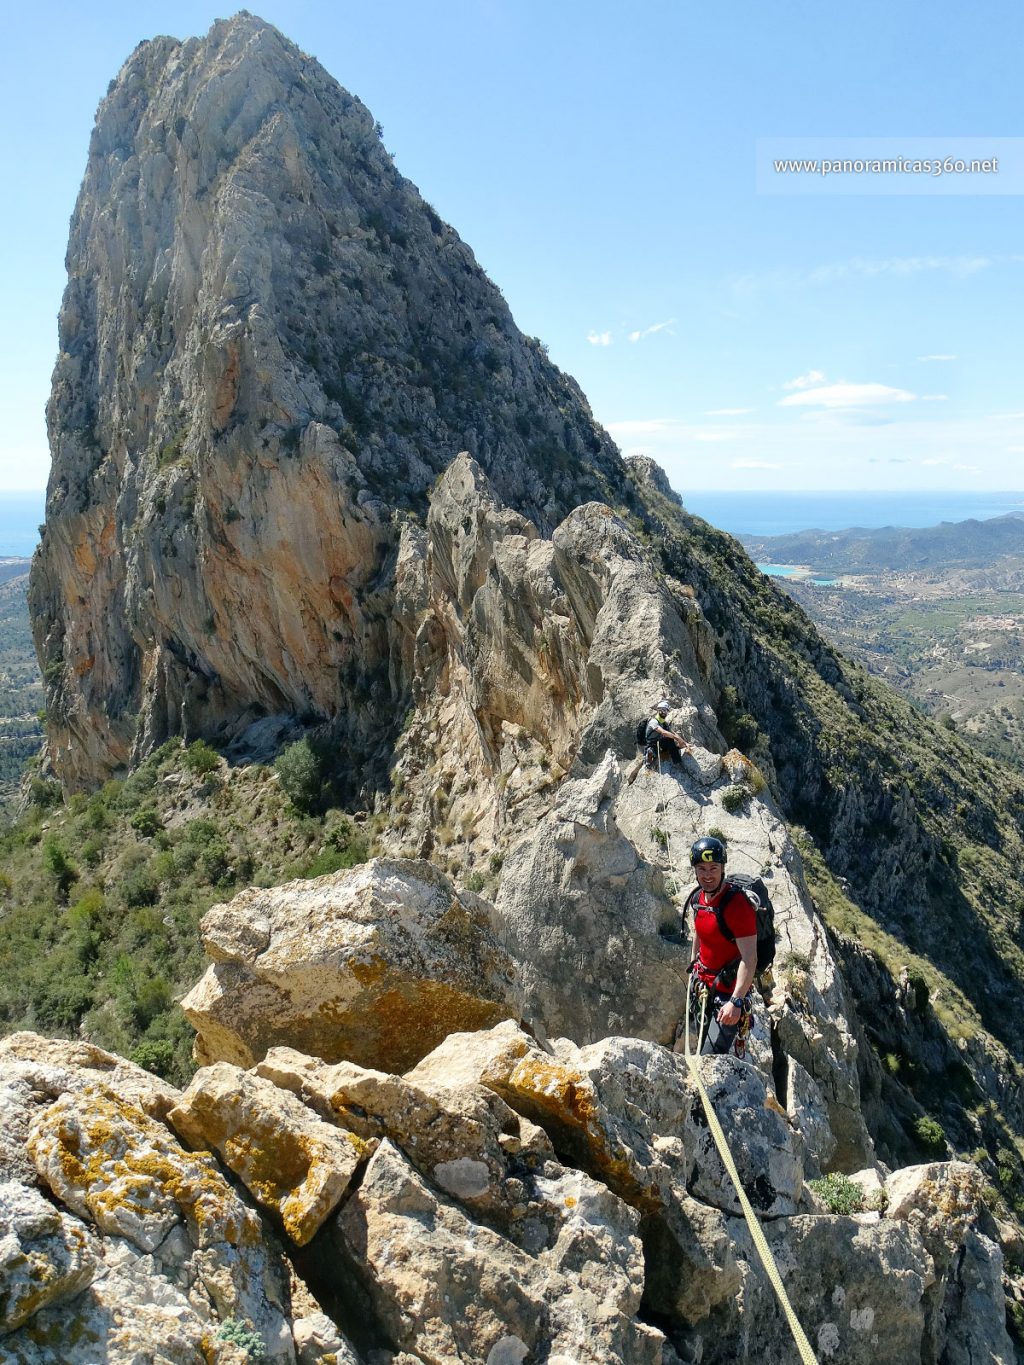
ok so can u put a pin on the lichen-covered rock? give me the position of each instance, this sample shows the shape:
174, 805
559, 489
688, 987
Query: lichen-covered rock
108, 1162
375, 966
45, 1255
857, 1291
34, 1071
463, 1139
767, 1148
448, 1290
288, 1159
177, 1252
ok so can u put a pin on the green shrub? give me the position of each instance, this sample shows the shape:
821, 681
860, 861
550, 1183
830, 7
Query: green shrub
475, 881
734, 797
97, 817
200, 758
839, 1193
214, 861
59, 866
88, 908
156, 1055
146, 822
43, 793
139, 886
929, 1135
301, 772
60, 1000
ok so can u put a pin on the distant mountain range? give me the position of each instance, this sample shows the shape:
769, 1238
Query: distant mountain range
963, 544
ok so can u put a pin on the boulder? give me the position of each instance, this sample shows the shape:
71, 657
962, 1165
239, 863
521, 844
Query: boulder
109, 1163
446, 1289
288, 1159
177, 1254
45, 1255
580, 909
374, 966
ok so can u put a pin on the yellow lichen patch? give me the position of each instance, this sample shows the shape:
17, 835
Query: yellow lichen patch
289, 1160
556, 1090
563, 1101
393, 1029
106, 1159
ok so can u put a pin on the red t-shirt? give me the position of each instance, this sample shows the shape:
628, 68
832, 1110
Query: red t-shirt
715, 951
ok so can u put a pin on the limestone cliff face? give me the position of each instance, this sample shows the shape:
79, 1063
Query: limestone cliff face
269, 344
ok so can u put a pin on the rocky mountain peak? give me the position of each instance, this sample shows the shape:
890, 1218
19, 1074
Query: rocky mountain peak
270, 345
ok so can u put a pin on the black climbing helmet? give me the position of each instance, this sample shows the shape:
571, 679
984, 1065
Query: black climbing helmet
707, 850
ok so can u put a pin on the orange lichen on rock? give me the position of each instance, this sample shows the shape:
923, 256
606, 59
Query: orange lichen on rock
288, 1158
106, 1160
564, 1102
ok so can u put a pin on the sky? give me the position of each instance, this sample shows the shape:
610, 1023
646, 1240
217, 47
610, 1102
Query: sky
612, 169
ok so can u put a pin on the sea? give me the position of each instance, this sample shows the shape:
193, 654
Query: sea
780, 514
754, 514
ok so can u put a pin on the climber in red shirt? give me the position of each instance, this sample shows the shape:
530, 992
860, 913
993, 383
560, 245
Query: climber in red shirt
724, 969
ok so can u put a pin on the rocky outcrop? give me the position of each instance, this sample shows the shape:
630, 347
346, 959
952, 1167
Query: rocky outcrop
376, 966
271, 351
270, 345
509, 1201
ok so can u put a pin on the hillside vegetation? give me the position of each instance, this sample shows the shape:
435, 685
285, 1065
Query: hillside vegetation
100, 900
21, 684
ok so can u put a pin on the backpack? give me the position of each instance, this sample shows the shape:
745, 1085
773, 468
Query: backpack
641, 733
757, 893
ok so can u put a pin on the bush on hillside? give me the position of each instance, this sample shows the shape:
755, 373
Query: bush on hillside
200, 758
301, 771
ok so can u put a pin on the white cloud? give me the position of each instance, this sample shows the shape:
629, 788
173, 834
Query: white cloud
936, 357
655, 327
805, 381
599, 338
847, 396
727, 412
935, 398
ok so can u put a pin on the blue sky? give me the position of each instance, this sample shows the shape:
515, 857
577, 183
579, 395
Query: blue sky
600, 160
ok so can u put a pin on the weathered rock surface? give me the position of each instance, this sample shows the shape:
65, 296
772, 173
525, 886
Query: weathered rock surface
266, 331
376, 965
44, 1255
270, 348
449, 1290
144, 1251
503, 1200
288, 1159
